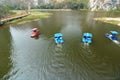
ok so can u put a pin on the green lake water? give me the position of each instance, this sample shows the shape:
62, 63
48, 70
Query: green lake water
26, 58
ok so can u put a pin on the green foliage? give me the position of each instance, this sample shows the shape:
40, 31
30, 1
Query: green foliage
58, 5
118, 7
17, 7
67, 4
44, 6
4, 11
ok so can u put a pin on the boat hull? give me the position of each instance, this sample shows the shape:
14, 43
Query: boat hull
58, 41
35, 34
88, 40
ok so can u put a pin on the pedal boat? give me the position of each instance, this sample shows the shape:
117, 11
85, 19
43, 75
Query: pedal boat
58, 38
35, 33
87, 38
112, 35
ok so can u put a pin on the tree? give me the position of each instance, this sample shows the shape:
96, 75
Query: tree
4, 11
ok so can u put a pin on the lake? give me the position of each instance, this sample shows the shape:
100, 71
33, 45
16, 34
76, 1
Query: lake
26, 58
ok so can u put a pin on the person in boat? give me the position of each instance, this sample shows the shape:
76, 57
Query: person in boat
59, 38
36, 31
114, 37
85, 37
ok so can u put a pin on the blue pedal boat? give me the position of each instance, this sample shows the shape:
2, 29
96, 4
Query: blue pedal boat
87, 38
112, 35
58, 38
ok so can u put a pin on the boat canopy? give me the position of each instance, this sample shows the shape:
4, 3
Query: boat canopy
35, 29
114, 32
87, 34
57, 35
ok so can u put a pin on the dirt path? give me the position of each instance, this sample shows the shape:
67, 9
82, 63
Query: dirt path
115, 21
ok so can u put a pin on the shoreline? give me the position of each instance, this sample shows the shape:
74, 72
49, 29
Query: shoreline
110, 20
34, 15
13, 17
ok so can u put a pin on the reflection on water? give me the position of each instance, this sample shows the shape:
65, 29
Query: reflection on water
4, 51
25, 51
42, 59
86, 47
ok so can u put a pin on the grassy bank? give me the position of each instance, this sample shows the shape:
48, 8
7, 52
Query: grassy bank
35, 15
50, 10
113, 21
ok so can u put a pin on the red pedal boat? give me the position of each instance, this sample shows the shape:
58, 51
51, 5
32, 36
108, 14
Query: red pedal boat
35, 33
